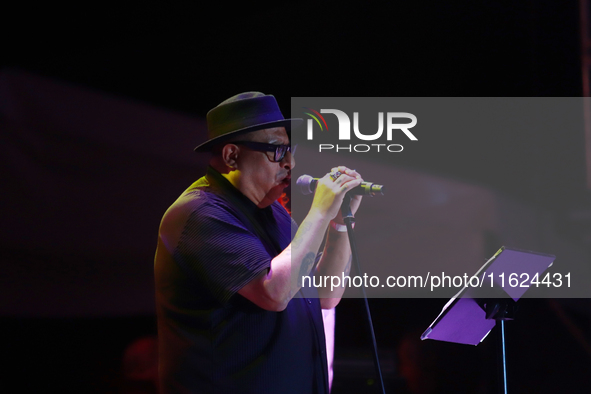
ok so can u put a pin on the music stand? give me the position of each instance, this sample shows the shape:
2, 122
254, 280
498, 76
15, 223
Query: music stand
471, 314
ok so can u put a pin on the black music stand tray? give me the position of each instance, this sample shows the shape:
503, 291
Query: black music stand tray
470, 315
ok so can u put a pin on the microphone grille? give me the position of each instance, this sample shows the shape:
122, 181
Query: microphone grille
304, 183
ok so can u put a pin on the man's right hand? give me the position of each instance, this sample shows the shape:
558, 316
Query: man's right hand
330, 193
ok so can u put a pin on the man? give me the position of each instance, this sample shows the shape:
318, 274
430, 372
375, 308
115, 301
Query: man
232, 317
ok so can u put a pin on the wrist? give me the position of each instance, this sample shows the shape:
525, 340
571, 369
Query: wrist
319, 216
341, 228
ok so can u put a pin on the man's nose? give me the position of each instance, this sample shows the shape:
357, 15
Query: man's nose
288, 161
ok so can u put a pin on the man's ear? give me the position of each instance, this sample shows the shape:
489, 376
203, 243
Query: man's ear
230, 155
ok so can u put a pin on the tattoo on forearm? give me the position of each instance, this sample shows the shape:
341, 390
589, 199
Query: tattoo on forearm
307, 264
297, 240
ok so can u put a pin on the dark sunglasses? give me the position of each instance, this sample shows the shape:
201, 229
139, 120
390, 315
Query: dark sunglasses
279, 150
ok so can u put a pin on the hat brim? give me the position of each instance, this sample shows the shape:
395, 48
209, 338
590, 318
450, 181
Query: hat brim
289, 124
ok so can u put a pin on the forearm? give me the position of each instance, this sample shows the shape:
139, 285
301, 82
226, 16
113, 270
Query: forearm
335, 261
284, 279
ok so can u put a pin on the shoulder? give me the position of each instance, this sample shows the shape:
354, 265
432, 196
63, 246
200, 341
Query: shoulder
198, 207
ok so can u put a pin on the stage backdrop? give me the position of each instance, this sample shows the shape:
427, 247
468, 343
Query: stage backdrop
86, 178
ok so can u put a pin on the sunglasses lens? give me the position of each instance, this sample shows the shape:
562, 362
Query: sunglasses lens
279, 153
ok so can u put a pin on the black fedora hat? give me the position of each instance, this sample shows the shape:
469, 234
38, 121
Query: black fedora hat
242, 114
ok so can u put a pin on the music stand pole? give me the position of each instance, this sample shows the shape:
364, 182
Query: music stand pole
461, 320
504, 357
500, 309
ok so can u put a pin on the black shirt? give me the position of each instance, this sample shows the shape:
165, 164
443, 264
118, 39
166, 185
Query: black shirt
213, 241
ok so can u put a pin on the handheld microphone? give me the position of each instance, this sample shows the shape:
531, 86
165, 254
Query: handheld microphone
308, 184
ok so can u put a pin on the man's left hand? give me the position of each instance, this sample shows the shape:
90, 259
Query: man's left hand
355, 199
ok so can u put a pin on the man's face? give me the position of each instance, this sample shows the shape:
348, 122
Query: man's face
263, 180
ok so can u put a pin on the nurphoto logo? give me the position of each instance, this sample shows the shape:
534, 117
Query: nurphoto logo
344, 130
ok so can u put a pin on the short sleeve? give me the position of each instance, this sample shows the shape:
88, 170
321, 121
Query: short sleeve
219, 251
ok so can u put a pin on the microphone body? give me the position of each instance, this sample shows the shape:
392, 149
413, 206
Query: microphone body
308, 184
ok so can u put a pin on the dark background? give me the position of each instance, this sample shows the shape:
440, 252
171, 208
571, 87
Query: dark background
188, 57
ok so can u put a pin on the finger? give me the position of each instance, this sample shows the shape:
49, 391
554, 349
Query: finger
346, 170
340, 168
349, 183
343, 177
339, 182
353, 173
327, 177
